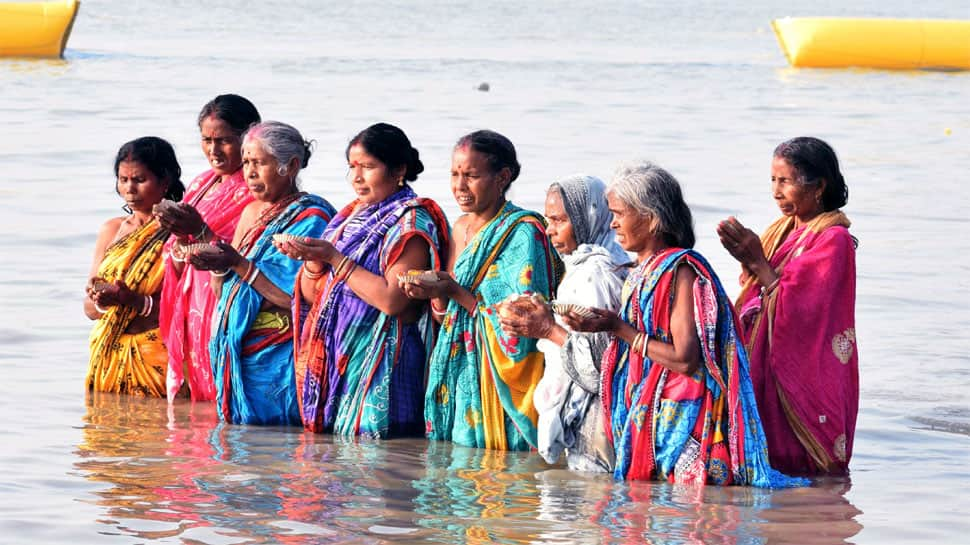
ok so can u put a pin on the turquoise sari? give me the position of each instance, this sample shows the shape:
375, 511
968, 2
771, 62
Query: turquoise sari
480, 381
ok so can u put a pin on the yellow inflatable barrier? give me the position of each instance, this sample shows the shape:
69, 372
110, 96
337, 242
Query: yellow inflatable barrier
834, 42
36, 29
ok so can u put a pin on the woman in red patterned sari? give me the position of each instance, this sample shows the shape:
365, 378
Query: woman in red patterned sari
797, 308
209, 213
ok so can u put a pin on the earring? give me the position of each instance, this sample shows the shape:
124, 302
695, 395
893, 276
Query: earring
281, 171
400, 181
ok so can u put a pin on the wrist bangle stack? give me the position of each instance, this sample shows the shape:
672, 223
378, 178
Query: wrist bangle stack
311, 274
436, 311
200, 236
251, 273
771, 287
147, 306
639, 344
177, 252
344, 269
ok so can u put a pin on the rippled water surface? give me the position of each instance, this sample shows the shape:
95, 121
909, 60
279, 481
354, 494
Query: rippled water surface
699, 87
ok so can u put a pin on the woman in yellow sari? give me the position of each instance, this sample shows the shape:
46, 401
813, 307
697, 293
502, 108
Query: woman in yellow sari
127, 354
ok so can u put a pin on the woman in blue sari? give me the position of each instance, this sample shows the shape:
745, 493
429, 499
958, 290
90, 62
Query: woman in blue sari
360, 362
251, 347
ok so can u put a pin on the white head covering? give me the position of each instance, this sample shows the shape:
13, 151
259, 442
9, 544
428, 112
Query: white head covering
584, 198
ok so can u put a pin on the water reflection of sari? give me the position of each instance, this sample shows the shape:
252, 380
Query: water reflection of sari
702, 428
121, 362
481, 382
477, 496
802, 342
251, 348
185, 311
360, 371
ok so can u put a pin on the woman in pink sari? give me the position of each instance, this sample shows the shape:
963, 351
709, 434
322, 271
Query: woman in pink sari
797, 307
209, 212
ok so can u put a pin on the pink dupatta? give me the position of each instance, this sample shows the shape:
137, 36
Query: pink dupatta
802, 345
187, 300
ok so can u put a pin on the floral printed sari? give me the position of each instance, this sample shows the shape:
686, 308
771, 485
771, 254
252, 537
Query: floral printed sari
121, 362
481, 382
702, 428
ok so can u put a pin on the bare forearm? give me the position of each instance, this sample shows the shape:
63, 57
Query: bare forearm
666, 354
765, 274
377, 292
464, 298
248, 271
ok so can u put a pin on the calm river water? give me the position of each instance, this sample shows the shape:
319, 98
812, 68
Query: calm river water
699, 87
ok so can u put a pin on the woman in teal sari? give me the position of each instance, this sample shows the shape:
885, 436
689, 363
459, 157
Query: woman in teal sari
481, 381
252, 335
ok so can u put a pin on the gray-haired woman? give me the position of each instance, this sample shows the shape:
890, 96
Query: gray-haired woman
252, 336
676, 392
567, 397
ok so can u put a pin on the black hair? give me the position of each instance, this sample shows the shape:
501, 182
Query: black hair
158, 157
391, 146
813, 161
498, 150
238, 112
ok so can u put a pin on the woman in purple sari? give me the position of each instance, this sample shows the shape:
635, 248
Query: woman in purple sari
361, 357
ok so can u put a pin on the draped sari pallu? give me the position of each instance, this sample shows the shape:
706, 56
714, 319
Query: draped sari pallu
251, 349
802, 342
121, 362
185, 309
360, 371
685, 429
480, 381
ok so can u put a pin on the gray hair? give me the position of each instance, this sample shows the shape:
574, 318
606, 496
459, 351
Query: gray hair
651, 190
280, 140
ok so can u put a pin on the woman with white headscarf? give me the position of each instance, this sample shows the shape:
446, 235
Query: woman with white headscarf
567, 397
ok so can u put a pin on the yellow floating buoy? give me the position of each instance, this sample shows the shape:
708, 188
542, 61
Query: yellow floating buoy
36, 29
835, 42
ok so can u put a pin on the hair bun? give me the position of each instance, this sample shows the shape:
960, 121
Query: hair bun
414, 167
308, 146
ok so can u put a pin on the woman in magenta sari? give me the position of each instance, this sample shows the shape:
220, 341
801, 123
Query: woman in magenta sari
209, 212
797, 307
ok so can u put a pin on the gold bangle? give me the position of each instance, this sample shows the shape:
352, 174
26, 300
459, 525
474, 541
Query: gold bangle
312, 275
770, 287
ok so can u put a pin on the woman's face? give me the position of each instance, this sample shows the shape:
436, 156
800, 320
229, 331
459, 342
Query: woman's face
370, 178
793, 198
221, 146
139, 187
560, 229
476, 188
261, 171
634, 230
